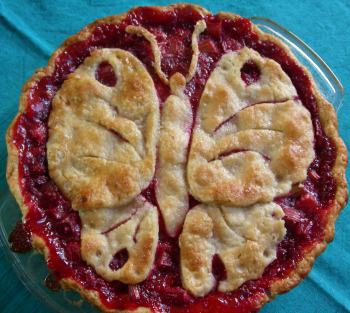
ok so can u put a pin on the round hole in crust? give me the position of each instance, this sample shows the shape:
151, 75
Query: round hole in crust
105, 74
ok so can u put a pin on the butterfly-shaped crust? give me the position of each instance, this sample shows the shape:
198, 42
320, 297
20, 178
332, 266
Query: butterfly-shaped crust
250, 144
246, 144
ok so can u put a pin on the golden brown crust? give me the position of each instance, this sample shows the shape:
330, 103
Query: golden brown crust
12, 161
267, 123
171, 191
104, 234
92, 166
244, 238
329, 124
328, 121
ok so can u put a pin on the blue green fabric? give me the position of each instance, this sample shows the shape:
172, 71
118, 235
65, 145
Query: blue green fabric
30, 30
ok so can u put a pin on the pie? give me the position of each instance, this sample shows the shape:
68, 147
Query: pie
171, 160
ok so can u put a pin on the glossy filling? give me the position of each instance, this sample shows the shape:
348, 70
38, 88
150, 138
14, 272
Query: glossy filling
19, 239
51, 217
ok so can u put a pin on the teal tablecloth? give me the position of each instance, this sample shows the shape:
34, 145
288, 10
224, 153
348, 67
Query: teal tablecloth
30, 30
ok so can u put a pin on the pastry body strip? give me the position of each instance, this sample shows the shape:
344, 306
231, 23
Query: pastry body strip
175, 132
172, 189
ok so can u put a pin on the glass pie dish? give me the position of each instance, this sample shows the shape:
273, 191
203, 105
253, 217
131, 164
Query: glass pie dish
31, 267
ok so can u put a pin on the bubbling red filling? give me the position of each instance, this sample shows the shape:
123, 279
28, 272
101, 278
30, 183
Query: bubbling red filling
50, 214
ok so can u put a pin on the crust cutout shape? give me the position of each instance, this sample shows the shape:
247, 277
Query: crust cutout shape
245, 239
105, 232
250, 144
172, 188
102, 140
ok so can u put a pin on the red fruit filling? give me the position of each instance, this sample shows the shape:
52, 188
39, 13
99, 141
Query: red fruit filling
214, 28
218, 268
119, 260
20, 239
250, 73
51, 217
105, 74
207, 46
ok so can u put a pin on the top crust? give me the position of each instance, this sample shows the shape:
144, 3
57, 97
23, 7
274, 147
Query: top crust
102, 140
269, 140
82, 200
172, 186
245, 239
136, 231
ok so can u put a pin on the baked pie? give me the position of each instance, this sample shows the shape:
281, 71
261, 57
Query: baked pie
171, 160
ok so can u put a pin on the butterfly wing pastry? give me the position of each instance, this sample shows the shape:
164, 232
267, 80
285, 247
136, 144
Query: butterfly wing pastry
171, 160
101, 154
246, 150
131, 229
244, 239
102, 139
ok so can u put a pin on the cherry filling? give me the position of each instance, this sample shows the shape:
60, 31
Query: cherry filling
105, 74
20, 239
51, 217
218, 268
250, 73
119, 260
